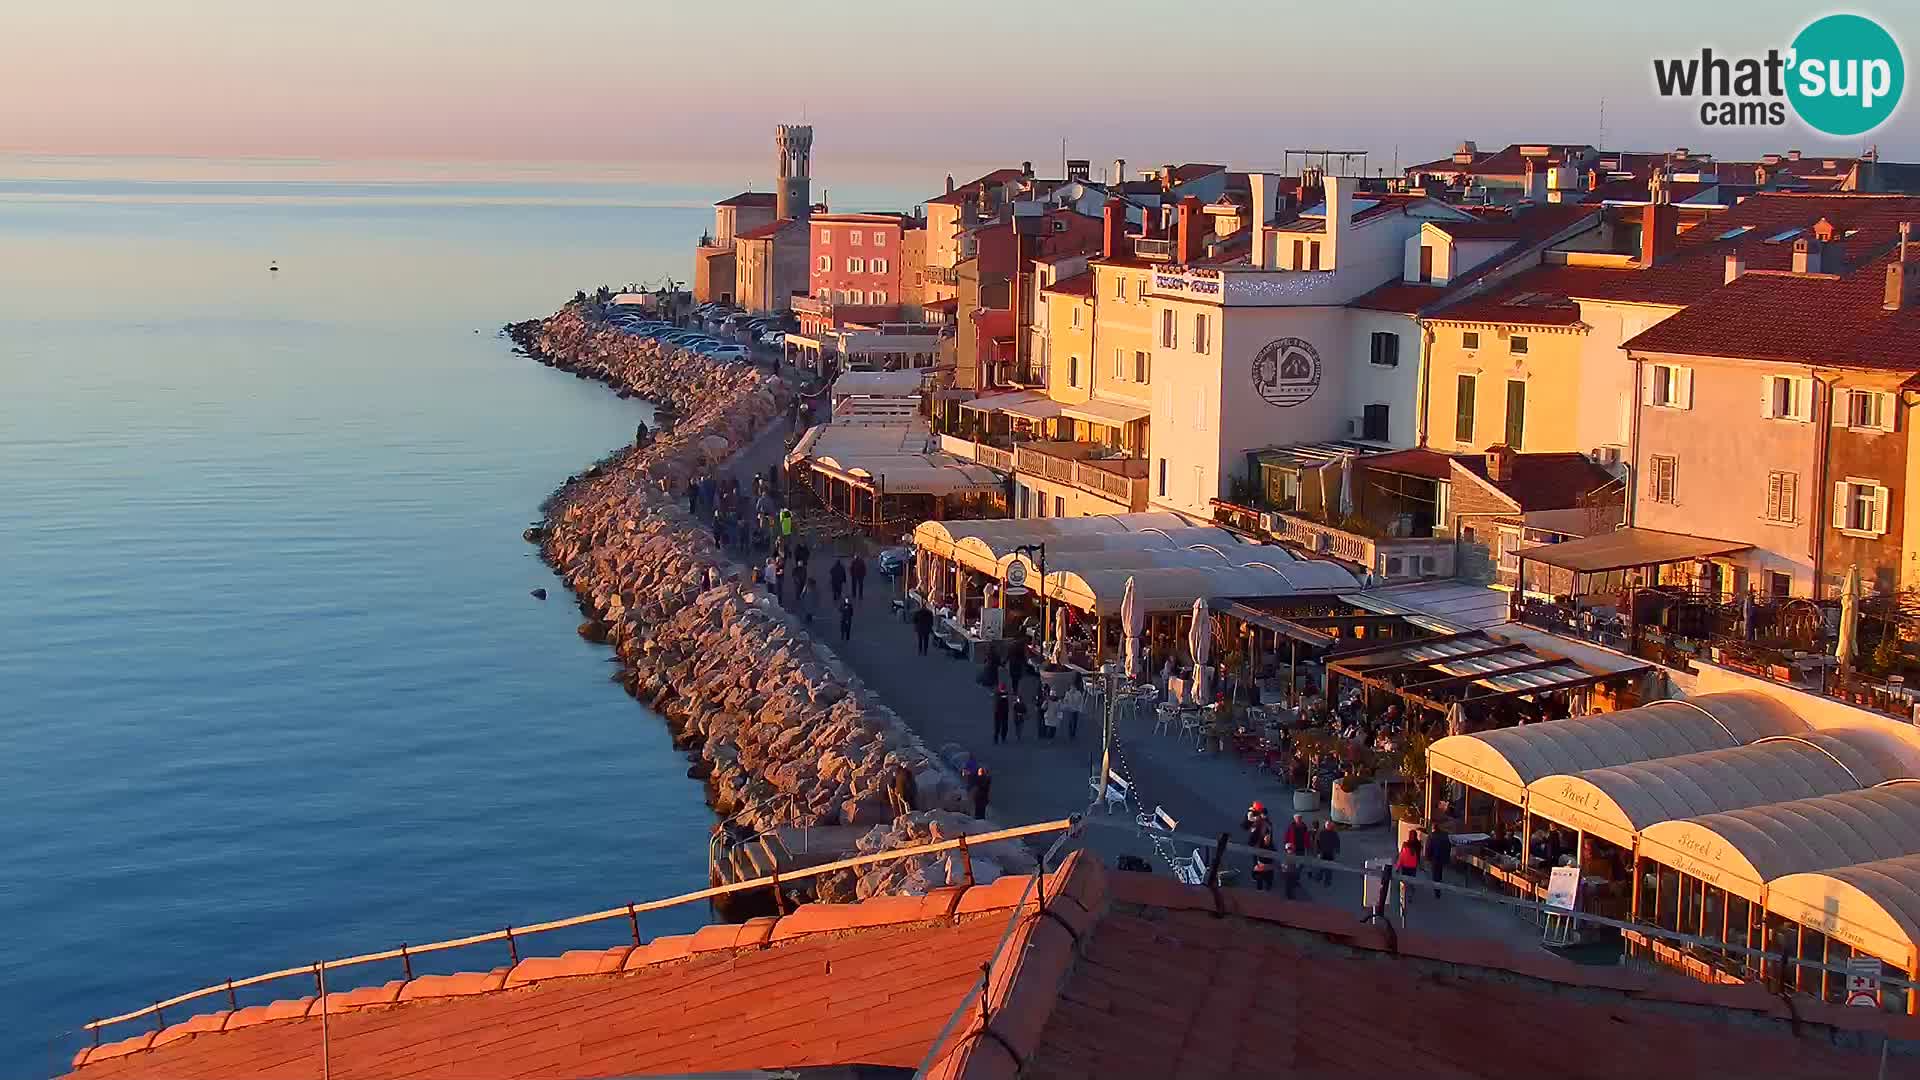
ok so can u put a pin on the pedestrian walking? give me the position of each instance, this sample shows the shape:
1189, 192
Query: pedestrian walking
786, 525
1260, 835
1439, 854
923, 628
1074, 703
990, 673
1000, 708
1298, 841
1019, 715
980, 785
693, 494
857, 575
1406, 867
770, 574
1326, 844
846, 619
803, 554
808, 600
837, 578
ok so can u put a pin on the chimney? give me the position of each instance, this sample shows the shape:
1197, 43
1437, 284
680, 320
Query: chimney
1119, 172
1499, 463
1823, 231
1026, 169
1593, 179
1340, 195
1260, 186
1793, 155
949, 183
1736, 265
1659, 228
1079, 170
1903, 277
1113, 231
1192, 234
1808, 255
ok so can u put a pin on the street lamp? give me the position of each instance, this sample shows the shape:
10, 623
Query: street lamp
1038, 553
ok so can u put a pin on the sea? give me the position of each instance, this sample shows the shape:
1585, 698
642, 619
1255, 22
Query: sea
273, 688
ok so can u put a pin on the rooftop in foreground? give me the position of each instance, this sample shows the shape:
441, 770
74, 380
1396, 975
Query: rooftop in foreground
1122, 974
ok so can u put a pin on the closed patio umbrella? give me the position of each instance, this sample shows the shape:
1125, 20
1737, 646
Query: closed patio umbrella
1849, 618
1060, 636
1133, 623
1199, 644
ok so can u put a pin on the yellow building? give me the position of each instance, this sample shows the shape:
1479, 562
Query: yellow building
1120, 379
1067, 348
1504, 374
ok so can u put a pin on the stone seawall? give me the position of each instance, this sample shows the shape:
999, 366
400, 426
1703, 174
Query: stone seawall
778, 728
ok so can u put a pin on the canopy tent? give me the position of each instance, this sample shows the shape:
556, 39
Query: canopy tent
1472, 667
1503, 763
1007, 402
939, 537
1874, 907
904, 384
1624, 549
890, 456
1111, 413
1163, 590
1742, 851
1123, 548
1039, 409
1617, 802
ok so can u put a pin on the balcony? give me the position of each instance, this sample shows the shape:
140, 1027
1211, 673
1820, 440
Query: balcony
1159, 250
942, 275
993, 457
811, 305
1390, 559
1086, 467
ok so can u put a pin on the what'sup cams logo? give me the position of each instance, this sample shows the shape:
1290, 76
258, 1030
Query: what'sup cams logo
1843, 75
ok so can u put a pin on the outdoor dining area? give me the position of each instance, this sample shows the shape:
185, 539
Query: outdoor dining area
1726, 817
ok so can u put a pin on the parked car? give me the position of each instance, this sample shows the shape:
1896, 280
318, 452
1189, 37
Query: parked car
774, 339
729, 352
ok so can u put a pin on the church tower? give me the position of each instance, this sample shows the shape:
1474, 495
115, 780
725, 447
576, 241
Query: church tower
793, 192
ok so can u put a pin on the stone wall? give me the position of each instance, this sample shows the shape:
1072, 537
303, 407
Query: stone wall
779, 729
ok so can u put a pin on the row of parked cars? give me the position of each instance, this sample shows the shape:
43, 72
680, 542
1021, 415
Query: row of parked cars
717, 331
684, 338
768, 330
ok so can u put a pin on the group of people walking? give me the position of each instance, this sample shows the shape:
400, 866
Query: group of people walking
1012, 702
1301, 841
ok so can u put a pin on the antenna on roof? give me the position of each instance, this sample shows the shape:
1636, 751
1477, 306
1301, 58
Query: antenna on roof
1603, 123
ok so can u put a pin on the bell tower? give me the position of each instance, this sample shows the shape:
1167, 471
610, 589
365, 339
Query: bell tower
793, 194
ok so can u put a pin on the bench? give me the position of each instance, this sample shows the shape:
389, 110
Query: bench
1113, 794
1159, 820
1191, 870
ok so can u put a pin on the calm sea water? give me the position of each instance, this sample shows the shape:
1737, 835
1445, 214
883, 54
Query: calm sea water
272, 688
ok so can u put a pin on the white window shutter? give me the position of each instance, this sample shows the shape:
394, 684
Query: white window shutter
1889, 412
1803, 399
1839, 407
1652, 372
1840, 504
1684, 392
1766, 394
1881, 497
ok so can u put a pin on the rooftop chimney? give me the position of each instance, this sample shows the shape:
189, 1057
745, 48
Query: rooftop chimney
1500, 463
1026, 169
1808, 255
1119, 172
949, 183
1823, 231
1192, 232
1113, 232
1660, 224
1260, 186
1736, 265
1079, 170
1903, 277
1793, 155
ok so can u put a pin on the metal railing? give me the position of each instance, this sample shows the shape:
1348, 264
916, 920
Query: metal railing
512, 934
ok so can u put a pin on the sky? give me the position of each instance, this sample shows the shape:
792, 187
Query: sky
680, 89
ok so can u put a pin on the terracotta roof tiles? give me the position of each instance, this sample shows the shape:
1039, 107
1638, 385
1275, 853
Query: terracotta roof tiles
749, 198
1557, 481
1815, 319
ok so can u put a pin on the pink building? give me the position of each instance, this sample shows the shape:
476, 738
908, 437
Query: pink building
857, 258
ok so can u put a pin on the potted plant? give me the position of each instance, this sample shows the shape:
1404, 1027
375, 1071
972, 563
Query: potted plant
1358, 801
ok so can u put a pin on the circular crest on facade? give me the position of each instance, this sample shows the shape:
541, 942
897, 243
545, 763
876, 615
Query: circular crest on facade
1286, 372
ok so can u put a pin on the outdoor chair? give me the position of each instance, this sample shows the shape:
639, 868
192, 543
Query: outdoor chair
1159, 820
1114, 793
1165, 716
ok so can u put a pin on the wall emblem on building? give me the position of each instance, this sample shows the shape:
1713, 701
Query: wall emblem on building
1286, 372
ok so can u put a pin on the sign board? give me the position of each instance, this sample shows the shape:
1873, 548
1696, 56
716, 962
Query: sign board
1016, 579
1370, 883
1863, 982
1563, 887
993, 623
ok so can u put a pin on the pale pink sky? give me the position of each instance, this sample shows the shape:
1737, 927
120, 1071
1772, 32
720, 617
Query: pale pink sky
672, 83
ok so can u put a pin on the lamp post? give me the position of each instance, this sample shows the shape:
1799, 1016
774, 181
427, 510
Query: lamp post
1115, 688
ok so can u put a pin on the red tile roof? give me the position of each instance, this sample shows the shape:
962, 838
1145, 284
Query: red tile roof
1515, 303
1080, 284
1525, 230
770, 229
749, 198
1416, 462
1559, 481
1816, 319
973, 187
1506, 162
1864, 226
1123, 975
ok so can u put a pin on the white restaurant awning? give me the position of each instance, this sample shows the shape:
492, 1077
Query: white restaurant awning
1112, 413
1742, 851
1874, 907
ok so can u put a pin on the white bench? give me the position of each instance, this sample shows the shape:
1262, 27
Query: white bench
1113, 794
1159, 819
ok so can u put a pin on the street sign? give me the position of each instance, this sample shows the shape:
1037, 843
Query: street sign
1016, 579
1863, 982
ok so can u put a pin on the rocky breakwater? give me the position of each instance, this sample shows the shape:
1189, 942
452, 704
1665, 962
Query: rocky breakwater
780, 731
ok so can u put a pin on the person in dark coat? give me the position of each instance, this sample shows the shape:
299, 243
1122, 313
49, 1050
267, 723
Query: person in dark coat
693, 494
1260, 835
980, 785
1326, 844
837, 579
923, 628
857, 576
846, 619
1298, 841
1439, 854
1019, 715
990, 675
1000, 706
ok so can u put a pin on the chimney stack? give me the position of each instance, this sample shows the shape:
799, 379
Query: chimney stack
1260, 186
1903, 277
1500, 463
1079, 170
1736, 265
949, 183
1659, 232
1808, 255
1192, 234
1113, 233
1119, 172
